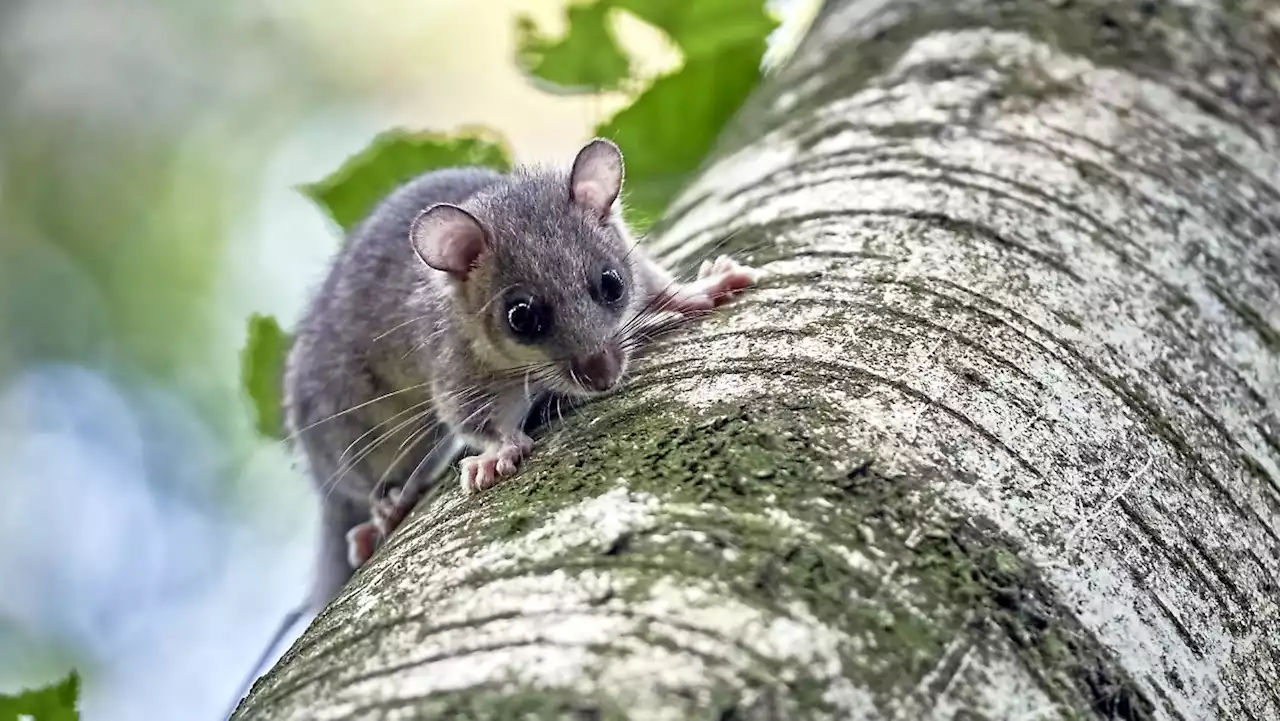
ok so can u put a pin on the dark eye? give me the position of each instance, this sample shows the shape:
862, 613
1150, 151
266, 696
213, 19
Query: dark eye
611, 288
528, 319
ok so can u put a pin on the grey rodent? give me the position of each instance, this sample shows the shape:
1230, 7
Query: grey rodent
462, 298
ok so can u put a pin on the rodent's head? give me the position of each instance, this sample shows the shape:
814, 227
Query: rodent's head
541, 262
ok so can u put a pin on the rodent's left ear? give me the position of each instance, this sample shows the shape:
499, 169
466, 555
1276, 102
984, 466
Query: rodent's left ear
596, 179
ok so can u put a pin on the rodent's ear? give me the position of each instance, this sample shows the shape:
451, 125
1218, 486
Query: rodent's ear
448, 238
596, 178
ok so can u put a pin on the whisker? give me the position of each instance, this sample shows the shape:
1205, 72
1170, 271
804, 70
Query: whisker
354, 408
642, 317
494, 297
336, 477
406, 448
692, 263
639, 337
409, 483
362, 436
520, 370
423, 343
706, 253
395, 328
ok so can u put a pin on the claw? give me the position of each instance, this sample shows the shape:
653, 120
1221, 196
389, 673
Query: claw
478, 472
386, 513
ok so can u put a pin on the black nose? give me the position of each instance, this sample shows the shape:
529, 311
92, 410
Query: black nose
598, 371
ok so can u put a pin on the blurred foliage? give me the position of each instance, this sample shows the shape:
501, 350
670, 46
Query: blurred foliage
670, 128
262, 367
706, 27
58, 702
88, 212
127, 131
668, 131
586, 60
348, 195
664, 134
122, 138
396, 157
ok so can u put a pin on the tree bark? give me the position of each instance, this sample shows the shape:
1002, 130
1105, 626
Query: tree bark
998, 438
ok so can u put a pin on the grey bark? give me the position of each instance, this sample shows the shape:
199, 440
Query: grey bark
998, 437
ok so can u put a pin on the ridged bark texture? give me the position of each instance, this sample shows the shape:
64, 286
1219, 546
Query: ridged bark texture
998, 438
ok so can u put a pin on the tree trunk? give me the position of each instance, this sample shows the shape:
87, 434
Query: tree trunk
998, 438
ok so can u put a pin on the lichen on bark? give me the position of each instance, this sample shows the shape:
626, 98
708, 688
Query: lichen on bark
996, 438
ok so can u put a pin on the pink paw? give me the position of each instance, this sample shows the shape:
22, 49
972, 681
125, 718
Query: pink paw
725, 277
717, 282
483, 471
362, 541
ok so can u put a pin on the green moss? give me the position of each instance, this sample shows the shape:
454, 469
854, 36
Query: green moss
512, 702
1071, 666
953, 577
719, 473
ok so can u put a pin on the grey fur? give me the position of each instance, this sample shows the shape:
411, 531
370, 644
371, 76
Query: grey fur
397, 365
349, 351
383, 322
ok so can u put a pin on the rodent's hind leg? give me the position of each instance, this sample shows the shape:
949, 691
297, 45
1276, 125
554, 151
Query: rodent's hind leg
362, 540
386, 512
385, 515
339, 516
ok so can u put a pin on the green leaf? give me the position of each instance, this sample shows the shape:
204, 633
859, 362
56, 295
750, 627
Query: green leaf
670, 129
262, 363
395, 157
704, 27
588, 59
57, 702
585, 60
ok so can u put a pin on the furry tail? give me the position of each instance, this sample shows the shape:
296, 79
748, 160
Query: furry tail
286, 623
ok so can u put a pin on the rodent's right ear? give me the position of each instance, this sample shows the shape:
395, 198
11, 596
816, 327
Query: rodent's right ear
448, 238
596, 178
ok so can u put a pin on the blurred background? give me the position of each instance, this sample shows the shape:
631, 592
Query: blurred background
149, 155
